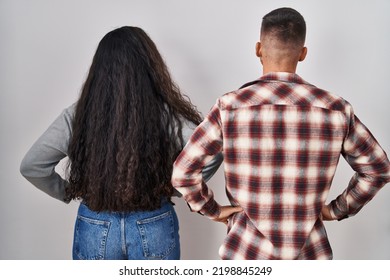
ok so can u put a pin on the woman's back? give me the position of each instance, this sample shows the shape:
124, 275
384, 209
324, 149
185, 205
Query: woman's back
126, 129
122, 137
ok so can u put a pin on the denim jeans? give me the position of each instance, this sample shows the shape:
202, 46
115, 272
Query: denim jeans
139, 235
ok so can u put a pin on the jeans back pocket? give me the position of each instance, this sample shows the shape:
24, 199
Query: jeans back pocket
90, 238
157, 235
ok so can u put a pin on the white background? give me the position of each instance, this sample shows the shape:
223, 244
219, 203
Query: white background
46, 47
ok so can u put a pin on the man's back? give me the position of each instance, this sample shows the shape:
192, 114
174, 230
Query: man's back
281, 139
282, 142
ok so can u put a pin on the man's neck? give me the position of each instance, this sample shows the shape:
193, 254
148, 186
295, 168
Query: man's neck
277, 68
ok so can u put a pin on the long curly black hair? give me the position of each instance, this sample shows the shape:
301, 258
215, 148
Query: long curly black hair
127, 128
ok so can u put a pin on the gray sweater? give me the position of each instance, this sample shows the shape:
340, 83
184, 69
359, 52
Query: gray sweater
38, 165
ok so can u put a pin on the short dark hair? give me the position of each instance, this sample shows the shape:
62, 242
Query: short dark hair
286, 24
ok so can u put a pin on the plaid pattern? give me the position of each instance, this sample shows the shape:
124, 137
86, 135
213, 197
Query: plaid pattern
281, 139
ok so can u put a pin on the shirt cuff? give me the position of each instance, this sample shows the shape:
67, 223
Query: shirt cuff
211, 209
338, 212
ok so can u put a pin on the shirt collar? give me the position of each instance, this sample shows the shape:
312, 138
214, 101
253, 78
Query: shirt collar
283, 77
279, 77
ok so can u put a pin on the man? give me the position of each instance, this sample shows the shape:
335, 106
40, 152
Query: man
281, 139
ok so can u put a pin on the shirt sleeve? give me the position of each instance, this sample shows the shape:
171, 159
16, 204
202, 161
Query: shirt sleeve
212, 166
203, 147
372, 170
38, 165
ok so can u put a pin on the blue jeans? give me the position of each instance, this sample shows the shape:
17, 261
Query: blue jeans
142, 235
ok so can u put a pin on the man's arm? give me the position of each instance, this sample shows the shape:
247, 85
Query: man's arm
203, 145
214, 164
368, 159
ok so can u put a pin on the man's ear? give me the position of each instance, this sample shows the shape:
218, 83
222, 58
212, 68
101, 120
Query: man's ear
258, 49
303, 54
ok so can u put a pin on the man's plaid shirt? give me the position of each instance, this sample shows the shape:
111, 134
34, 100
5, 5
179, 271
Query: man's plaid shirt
281, 138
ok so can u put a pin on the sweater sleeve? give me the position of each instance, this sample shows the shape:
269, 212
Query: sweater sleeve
38, 165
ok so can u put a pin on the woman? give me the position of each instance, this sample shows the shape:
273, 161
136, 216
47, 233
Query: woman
121, 137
